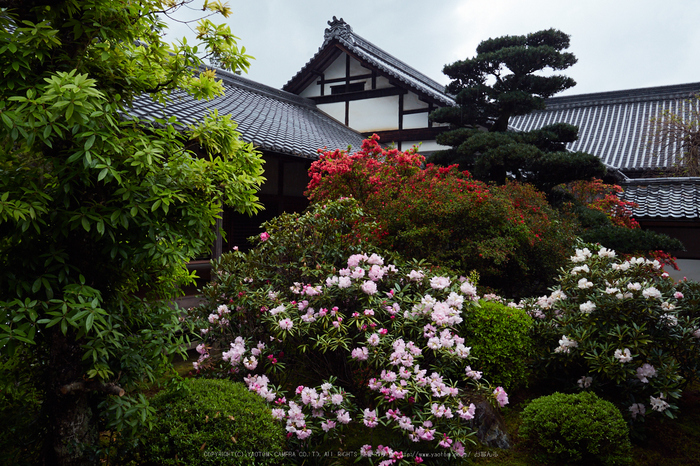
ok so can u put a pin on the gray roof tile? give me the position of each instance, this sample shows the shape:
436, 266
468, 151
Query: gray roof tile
664, 198
271, 119
615, 126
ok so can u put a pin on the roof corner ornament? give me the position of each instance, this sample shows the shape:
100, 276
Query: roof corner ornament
338, 29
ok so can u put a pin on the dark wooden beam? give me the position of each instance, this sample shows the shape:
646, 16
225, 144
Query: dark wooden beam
417, 134
350, 96
346, 79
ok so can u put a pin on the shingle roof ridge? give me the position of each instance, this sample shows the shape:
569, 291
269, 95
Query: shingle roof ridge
664, 180
627, 95
373, 49
262, 89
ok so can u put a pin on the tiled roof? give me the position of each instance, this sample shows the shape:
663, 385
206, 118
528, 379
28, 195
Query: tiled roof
664, 198
340, 31
615, 126
271, 119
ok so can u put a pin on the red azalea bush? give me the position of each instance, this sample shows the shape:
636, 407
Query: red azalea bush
508, 234
604, 198
622, 232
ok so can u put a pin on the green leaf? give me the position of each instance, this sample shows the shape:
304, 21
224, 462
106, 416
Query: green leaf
86, 223
90, 141
89, 321
7, 120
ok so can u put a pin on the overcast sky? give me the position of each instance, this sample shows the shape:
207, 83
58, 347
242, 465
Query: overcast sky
620, 44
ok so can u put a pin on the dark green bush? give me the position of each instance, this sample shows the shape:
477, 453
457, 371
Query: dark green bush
500, 340
212, 422
576, 429
631, 241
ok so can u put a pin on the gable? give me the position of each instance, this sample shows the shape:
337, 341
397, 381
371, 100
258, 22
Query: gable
370, 91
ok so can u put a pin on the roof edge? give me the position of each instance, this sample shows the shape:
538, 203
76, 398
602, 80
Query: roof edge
627, 95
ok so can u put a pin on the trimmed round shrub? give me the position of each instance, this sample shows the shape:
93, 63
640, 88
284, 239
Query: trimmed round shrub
576, 429
212, 422
499, 337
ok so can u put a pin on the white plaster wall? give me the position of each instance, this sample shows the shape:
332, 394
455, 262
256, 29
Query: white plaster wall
336, 69
411, 102
416, 120
356, 68
383, 82
313, 90
380, 114
335, 110
425, 146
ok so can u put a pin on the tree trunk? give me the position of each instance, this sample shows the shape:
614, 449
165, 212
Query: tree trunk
72, 430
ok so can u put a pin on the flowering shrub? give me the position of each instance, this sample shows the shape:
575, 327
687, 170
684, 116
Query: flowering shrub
606, 219
602, 197
509, 234
576, 429
620, 328
372, 345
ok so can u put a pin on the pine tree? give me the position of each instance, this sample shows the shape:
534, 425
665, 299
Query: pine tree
502, 81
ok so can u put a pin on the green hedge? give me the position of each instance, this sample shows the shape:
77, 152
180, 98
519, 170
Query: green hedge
576, 429
500, 340
212, 422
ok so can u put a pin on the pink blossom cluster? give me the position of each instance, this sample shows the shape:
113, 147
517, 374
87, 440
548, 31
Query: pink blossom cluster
259, 385
218, 316
565, 345
442, 313
645, 372
326, 403
501, 396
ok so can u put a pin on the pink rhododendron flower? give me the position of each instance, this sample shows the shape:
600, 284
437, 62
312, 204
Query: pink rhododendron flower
647, 370
286, 324
637, 409
360, 354
446, 442
327, 425
501, 396
370, 418
264, 236
369, 287
623, 355
466, 412
439, 283
343, 416
472, 374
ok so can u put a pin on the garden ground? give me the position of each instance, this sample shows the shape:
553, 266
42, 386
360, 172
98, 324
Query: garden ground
689, 268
